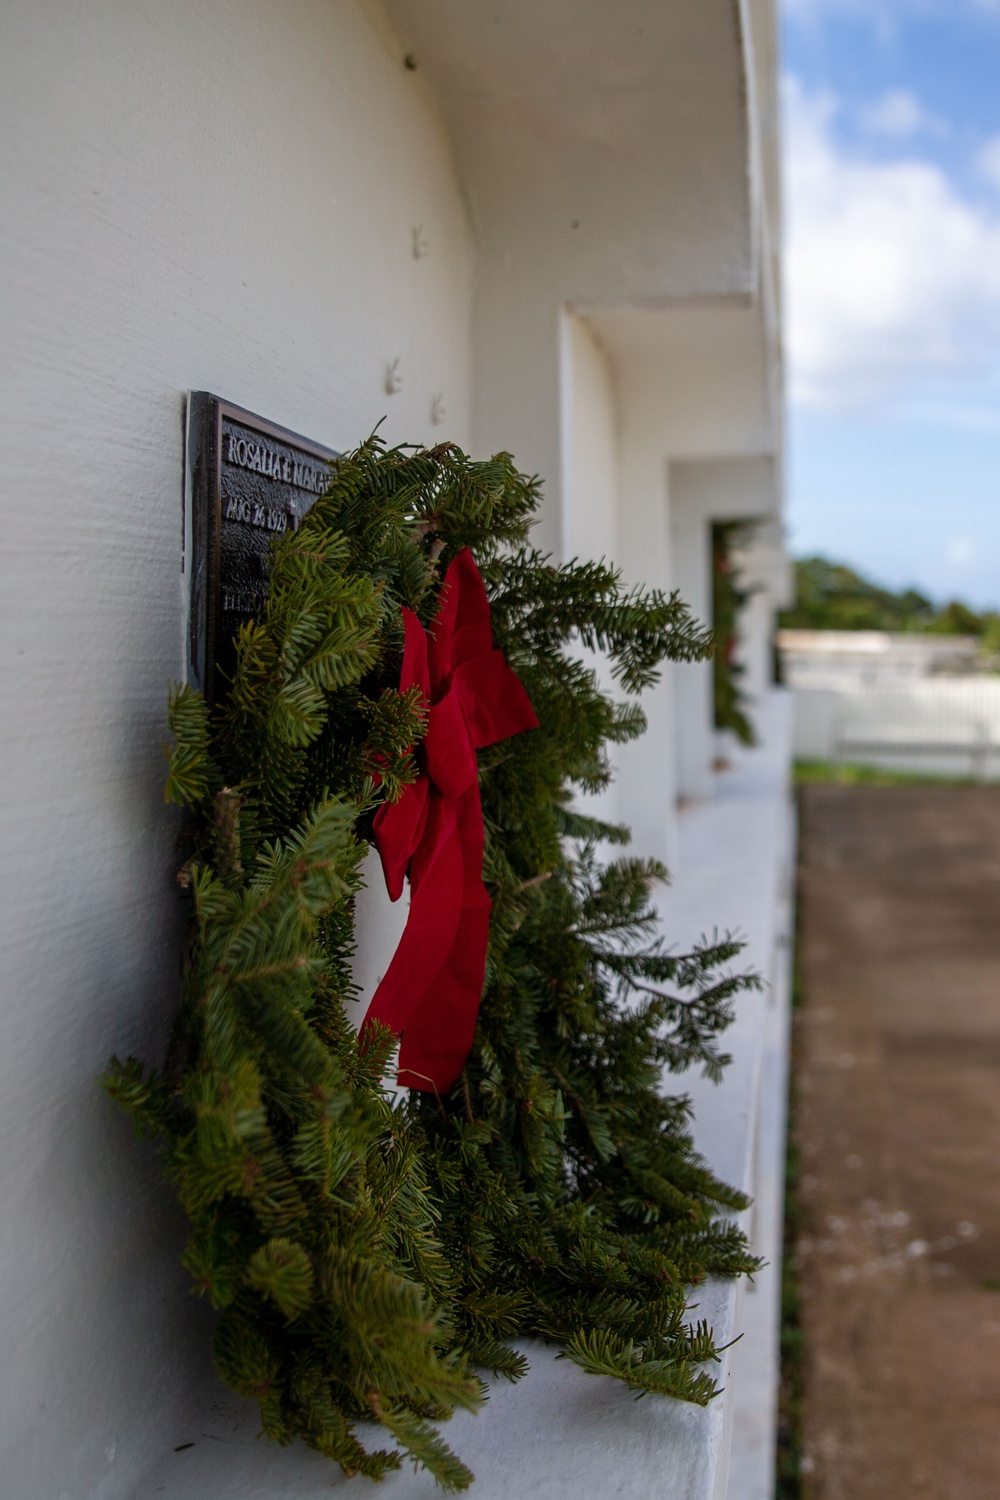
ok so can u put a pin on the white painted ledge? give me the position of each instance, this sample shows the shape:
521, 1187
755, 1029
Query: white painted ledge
559, 1432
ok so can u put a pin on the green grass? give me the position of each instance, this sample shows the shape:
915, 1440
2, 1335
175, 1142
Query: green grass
841, 773
788, 1484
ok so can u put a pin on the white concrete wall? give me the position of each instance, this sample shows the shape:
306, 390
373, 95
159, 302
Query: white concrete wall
694, 378
262, 200
590, 468
605, 155
620, 164
196, 194
700, 440
590, 463
939, 726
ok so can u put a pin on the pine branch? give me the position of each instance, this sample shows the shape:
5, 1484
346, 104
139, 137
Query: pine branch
604, 1353
361, 1254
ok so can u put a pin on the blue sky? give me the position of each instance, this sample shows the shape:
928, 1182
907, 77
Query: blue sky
892, 147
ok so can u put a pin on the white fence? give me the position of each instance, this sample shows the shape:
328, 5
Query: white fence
946, 726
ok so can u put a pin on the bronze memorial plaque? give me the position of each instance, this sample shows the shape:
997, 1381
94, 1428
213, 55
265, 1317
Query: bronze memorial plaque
249, 480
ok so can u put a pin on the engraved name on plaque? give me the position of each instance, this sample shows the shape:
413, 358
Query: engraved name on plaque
249, 480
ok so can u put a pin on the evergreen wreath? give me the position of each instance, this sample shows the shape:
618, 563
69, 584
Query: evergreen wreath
367, 1257
729, 598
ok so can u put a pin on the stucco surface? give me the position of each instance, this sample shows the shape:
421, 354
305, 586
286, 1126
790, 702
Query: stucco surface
607, 153
261, 200
197, 195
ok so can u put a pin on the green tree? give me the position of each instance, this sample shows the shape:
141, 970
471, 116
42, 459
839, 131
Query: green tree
830, 596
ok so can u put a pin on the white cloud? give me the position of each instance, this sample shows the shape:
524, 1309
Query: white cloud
816, 10
883, 17
884, 14
961, 551
893, 278
988, 161
899, 113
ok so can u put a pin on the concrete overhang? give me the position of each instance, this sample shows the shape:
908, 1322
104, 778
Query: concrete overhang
612, 146
704, 374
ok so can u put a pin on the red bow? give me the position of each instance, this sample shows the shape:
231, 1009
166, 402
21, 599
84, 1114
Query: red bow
431, 991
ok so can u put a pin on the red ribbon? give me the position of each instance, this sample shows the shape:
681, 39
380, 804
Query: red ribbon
431, 991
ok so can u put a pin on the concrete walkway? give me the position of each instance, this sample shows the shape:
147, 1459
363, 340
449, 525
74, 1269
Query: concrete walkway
898, 1061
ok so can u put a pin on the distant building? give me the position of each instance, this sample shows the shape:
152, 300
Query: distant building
926, 704
856, 658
